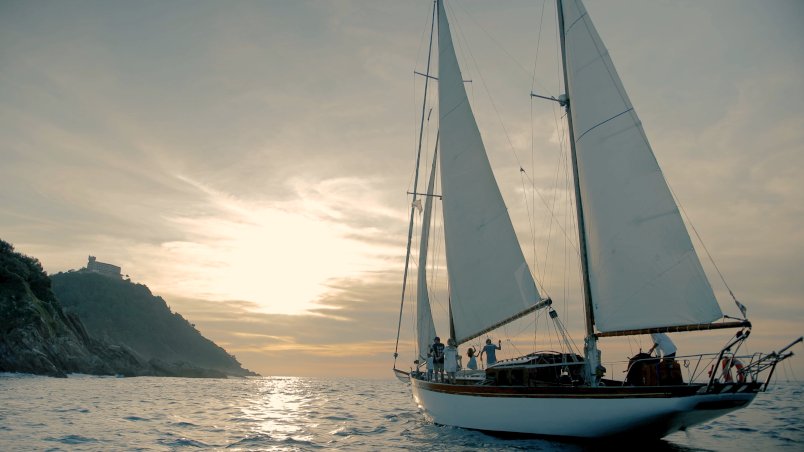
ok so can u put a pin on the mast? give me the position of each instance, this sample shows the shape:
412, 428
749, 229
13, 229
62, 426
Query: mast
591, 352
587, 291
449, 302
415, 187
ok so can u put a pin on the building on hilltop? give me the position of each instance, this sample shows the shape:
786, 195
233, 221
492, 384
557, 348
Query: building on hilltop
105, 269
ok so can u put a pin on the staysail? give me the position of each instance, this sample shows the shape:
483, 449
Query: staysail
643, 269
490, 281
425, 329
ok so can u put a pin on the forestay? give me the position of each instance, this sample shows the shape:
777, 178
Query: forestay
643, 269
489, 278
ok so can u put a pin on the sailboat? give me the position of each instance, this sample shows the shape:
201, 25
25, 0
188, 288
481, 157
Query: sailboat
640, 272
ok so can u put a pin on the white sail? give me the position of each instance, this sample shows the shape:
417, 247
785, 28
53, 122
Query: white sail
490, 281
643, 269
425, 329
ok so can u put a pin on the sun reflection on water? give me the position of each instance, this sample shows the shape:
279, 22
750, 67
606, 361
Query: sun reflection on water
278, 409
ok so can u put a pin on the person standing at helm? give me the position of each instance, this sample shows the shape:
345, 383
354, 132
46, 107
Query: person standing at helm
662, 344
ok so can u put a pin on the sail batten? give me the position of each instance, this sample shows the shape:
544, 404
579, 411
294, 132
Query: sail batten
642, 267
488, 276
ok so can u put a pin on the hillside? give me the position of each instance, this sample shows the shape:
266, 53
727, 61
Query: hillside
37, 336
120, 312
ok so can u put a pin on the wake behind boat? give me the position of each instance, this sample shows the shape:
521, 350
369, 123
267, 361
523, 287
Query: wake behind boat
640, 272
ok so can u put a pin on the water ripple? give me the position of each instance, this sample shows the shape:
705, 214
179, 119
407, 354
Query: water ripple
72, 439
286, 413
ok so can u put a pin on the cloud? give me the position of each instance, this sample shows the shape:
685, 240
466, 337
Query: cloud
262, 152
349, 331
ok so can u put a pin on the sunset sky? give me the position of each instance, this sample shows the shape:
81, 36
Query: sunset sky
249, 160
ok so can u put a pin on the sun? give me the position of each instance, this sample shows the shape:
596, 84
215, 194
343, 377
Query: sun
278, 256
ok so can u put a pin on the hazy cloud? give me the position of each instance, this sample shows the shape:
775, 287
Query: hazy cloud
250, 160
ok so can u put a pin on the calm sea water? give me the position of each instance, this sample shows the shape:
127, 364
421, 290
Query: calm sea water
289, 413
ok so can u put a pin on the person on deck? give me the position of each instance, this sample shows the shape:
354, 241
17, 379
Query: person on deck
491, 352
472, 364
662, 344
451, 360
437, 351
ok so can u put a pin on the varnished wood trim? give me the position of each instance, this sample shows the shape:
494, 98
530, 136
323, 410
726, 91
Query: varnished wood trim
568, 392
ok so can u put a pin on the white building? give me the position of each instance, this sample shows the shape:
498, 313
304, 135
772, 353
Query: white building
104, 269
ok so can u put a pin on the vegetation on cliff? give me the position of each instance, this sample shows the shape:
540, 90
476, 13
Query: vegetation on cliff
121, 312
129, 336
37, 336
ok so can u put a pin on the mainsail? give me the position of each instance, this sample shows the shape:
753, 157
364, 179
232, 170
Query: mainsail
643, 269
424, 317
490, 282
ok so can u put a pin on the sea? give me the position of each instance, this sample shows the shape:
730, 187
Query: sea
300, 414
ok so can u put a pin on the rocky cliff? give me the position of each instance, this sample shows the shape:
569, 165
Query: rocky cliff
37, 335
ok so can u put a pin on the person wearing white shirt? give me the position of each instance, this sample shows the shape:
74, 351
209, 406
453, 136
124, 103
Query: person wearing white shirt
662, 344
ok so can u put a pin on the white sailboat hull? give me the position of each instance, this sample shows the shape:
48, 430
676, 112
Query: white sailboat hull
587, 414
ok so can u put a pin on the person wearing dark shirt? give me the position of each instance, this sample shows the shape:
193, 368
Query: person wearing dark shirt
437, 350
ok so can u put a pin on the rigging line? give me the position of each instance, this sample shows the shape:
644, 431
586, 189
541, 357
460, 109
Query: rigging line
562, 157
526, 326
555, 188
544, 201
487, 90
435, 252
532, 228
533, 182
496, 110
538, 47
415, 184
560, 128
700, 239
414, 128
435, 296
533, 138
533, 185
421, 38
491, 37
553, 219
418, 54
